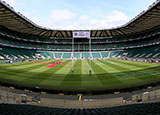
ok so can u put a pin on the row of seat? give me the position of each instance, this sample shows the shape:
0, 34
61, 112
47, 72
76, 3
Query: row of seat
146, 53
13, 54
77, 47
11, 39
135, 109
152, 52
78, 55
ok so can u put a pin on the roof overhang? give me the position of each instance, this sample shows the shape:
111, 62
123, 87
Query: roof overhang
145, 21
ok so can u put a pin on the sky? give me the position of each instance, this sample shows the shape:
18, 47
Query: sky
80, 14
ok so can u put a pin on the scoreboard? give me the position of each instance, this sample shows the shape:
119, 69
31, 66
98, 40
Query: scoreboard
81, 34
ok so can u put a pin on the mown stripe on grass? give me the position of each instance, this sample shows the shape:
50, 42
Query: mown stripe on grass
104, 77
21, 69
88, 80
129, 77
106, 67
57, 77
20, 74
150, 68
120, 69
41, 74
14, 64
85, 68
118, 66
21, 63
125, 65
133, 63
141, 74
30, 65
73, 80
78, 68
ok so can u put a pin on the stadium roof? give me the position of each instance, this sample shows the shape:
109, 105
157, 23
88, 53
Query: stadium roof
15, 21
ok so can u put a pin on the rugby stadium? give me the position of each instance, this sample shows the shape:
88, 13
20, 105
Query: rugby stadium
65, 64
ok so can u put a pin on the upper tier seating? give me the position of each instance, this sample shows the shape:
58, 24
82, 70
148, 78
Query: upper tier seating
13, 39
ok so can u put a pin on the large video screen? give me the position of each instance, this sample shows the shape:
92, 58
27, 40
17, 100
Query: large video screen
81, 34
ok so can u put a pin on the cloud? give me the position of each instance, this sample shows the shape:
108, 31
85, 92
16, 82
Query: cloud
37, 19
65, 19
83, 19
81, 22
113, 19
61, 18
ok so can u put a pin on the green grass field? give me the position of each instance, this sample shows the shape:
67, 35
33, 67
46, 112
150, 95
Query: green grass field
106, 74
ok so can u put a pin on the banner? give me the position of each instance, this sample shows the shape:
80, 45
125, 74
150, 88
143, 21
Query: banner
81, 34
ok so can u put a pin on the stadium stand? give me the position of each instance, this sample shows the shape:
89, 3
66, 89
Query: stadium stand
105, 54
86, 55
151, 52
12, 53
77, 55
135, 109
21, 39
66, 56
96, 55
58, 55
148, 39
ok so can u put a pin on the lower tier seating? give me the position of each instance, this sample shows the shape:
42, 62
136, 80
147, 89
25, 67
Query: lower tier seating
14, 53
151, 52
135, 109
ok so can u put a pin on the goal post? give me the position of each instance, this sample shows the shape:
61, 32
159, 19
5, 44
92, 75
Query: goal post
90, 51
78, 34
72, 56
